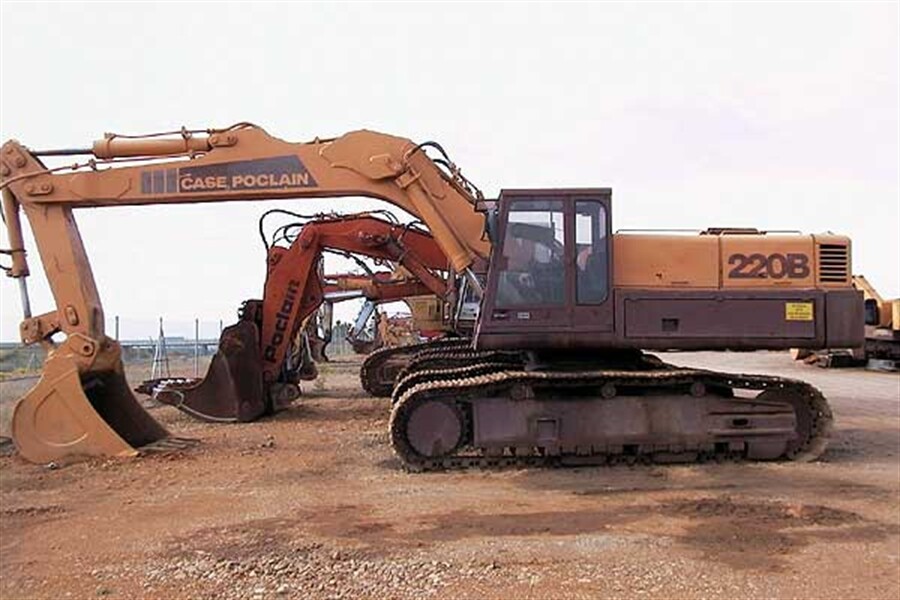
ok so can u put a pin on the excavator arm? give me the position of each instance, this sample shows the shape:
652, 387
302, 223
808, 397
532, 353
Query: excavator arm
254, 372
293, 289
243, 163
82, 404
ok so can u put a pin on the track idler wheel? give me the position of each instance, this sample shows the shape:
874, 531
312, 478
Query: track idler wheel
432, 429
813, 426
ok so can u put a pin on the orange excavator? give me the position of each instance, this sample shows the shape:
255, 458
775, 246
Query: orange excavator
575, 303
262, 359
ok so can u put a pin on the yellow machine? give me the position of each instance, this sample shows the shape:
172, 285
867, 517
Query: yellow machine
880, 313
554, 373
881, 347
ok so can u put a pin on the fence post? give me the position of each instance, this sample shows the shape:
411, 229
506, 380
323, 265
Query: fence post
117, 328
160, 355
196, 347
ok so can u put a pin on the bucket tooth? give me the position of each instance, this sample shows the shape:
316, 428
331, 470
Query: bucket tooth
68, 414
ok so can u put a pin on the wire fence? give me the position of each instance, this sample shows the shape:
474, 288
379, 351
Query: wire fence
184, 349
178, 348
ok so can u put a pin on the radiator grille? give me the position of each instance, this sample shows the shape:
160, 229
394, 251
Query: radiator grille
834, 263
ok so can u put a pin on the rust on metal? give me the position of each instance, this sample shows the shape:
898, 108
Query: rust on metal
232, 389
560, 285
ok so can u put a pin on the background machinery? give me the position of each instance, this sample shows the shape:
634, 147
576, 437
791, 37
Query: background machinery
372, 329
263, 357
881, 348
376, 287
570, 301
882, 343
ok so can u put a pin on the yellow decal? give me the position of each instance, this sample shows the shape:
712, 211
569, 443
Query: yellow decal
798, 311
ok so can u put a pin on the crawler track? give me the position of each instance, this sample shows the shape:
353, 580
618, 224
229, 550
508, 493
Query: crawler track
438, 360
435, 422
413, 379
380, 368
438, 364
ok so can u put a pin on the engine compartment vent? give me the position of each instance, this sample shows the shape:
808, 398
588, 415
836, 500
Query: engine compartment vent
834, 263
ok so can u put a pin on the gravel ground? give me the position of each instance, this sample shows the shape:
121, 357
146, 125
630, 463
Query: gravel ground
312, 504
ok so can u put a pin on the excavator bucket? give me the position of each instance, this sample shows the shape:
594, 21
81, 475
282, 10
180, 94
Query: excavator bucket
232, 389
69, 415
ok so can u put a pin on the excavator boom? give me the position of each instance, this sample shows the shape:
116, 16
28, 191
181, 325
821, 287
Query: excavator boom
81, 405
379, 287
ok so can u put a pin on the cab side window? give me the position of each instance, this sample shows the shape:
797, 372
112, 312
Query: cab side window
591, 253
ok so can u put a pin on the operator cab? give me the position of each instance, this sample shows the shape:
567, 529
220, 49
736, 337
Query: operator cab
549, 282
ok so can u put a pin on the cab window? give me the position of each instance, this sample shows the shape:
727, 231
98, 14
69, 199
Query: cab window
532, 270
591, 253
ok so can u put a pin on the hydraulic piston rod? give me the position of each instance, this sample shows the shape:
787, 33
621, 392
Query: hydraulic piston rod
19, 267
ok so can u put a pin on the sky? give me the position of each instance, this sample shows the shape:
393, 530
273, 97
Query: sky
768, 115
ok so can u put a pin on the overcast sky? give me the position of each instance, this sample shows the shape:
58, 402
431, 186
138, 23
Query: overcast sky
773, 115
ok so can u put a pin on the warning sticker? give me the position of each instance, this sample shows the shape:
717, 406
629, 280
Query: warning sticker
798, 311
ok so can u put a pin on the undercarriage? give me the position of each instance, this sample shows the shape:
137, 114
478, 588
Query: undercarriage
490, 415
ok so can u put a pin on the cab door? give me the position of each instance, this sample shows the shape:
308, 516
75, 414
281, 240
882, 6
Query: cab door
528, 286
592, 306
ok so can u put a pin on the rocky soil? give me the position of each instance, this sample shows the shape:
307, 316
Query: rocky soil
312, 504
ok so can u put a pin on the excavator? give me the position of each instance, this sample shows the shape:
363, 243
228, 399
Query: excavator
252, 374
375, 287
882, 339
425, 318
193, 395
374, 329
576, 304
881, 348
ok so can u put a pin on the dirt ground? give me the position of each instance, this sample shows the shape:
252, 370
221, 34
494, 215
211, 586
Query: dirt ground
312, 503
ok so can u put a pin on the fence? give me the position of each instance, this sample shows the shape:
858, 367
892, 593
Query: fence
179, 355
